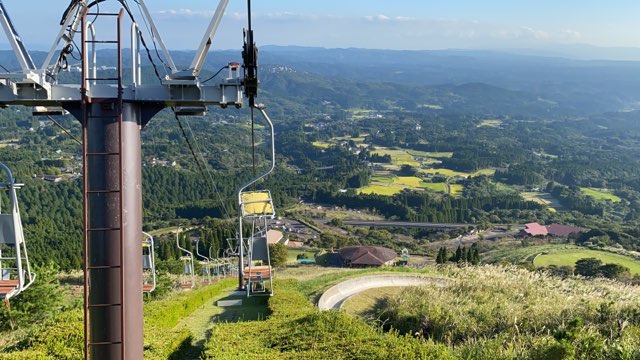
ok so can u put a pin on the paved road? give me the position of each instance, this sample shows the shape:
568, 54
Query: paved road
383, 223
336, 295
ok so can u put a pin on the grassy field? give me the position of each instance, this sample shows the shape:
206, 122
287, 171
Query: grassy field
398, 156
485, 312
321, 144
456, 189
443, 172
292, 254
600, 194
437, 155
411, 181
387, 190
438, 187
568, 257
452, 173
490, 123
544, 199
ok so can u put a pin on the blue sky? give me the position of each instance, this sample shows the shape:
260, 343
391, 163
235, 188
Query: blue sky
399, 24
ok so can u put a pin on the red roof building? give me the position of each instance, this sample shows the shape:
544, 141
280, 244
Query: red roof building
535, 229
361, 256
563, 230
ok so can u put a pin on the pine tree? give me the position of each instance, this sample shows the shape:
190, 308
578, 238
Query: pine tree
439, 257
475, 256
458, 255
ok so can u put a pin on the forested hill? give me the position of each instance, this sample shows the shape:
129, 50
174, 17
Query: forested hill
461, 78
557, 141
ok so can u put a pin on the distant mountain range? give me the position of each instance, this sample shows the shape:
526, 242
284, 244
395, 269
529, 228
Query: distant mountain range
577, 86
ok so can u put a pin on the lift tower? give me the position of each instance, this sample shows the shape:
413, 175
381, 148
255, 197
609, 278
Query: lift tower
112, 114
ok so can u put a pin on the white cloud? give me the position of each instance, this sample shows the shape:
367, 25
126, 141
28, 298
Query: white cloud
185, 13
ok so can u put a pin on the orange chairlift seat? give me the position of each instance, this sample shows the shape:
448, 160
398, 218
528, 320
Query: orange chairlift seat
256, 207
15, 270
148, 264
187, 280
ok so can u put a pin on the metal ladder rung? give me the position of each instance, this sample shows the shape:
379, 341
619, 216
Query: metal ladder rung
103, 79
103, 191
103, 154
102, 41
103, 267
103, 305
105, 343
102, 14
103, 229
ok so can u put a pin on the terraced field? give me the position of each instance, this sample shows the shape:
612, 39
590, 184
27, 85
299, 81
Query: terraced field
600, 194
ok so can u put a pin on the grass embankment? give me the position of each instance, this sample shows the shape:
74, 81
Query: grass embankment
297, 330
62, 338
494, 312
600, 194
487, 312
559, 255
568, 257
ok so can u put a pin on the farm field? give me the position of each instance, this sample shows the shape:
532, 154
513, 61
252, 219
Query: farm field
600, 194
321, 144
544, 199
390, 185
568, 257
387, 190
490, 123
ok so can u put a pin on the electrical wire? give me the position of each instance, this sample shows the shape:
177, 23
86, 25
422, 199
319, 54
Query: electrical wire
253, 142
200, 166
216, 74
153, 38
64, 129
5, 69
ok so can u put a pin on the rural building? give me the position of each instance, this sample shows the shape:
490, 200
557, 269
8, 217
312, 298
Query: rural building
563, 230
557, 230
534, 229
275, 236
367, 256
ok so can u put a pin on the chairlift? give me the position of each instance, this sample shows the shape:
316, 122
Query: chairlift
205, 264
218, 266
188, 278
15, 270
148, 264
256, 207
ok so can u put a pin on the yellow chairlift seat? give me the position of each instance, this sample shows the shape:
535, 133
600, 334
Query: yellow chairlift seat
257, 204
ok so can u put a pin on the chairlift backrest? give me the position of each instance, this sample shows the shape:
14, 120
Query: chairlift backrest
7, 230
260, 249
147, 262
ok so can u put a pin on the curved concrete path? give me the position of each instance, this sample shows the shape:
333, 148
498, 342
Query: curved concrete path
335, 296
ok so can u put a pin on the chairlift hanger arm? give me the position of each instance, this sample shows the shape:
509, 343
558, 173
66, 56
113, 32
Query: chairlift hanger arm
207, 40
198, 252
24, 58
156, 35
69, 24
181, 248
262, 110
